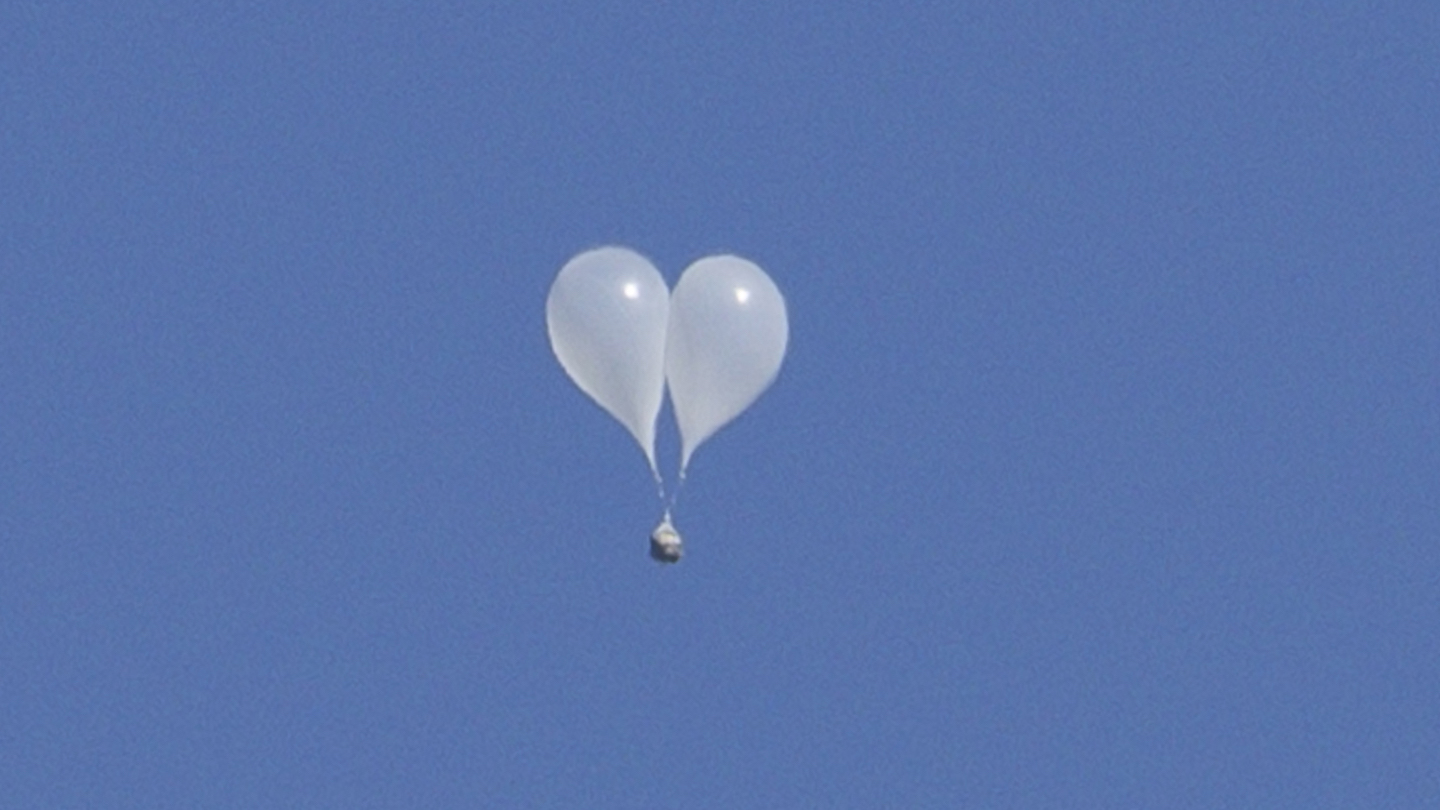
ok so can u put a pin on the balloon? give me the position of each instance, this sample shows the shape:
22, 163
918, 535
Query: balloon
607, 314
724, 345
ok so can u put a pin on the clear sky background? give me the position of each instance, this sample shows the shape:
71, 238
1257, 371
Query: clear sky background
1103, 471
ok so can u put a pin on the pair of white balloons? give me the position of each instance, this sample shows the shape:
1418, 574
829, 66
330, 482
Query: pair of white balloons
622, 336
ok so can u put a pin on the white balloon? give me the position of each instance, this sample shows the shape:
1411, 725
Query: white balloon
607, 313
725, 343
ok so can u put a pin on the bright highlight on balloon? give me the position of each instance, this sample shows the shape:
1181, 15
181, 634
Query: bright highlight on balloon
716, 342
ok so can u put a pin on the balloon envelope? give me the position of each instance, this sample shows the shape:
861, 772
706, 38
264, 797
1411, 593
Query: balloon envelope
607, 313
726, 339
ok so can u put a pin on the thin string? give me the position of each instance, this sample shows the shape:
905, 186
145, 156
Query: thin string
675, 496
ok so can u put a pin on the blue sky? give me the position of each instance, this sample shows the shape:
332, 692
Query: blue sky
1102, 470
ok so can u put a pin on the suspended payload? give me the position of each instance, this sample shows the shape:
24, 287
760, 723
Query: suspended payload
665, 543
717, 341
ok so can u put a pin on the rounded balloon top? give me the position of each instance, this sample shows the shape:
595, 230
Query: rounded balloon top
607, 315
